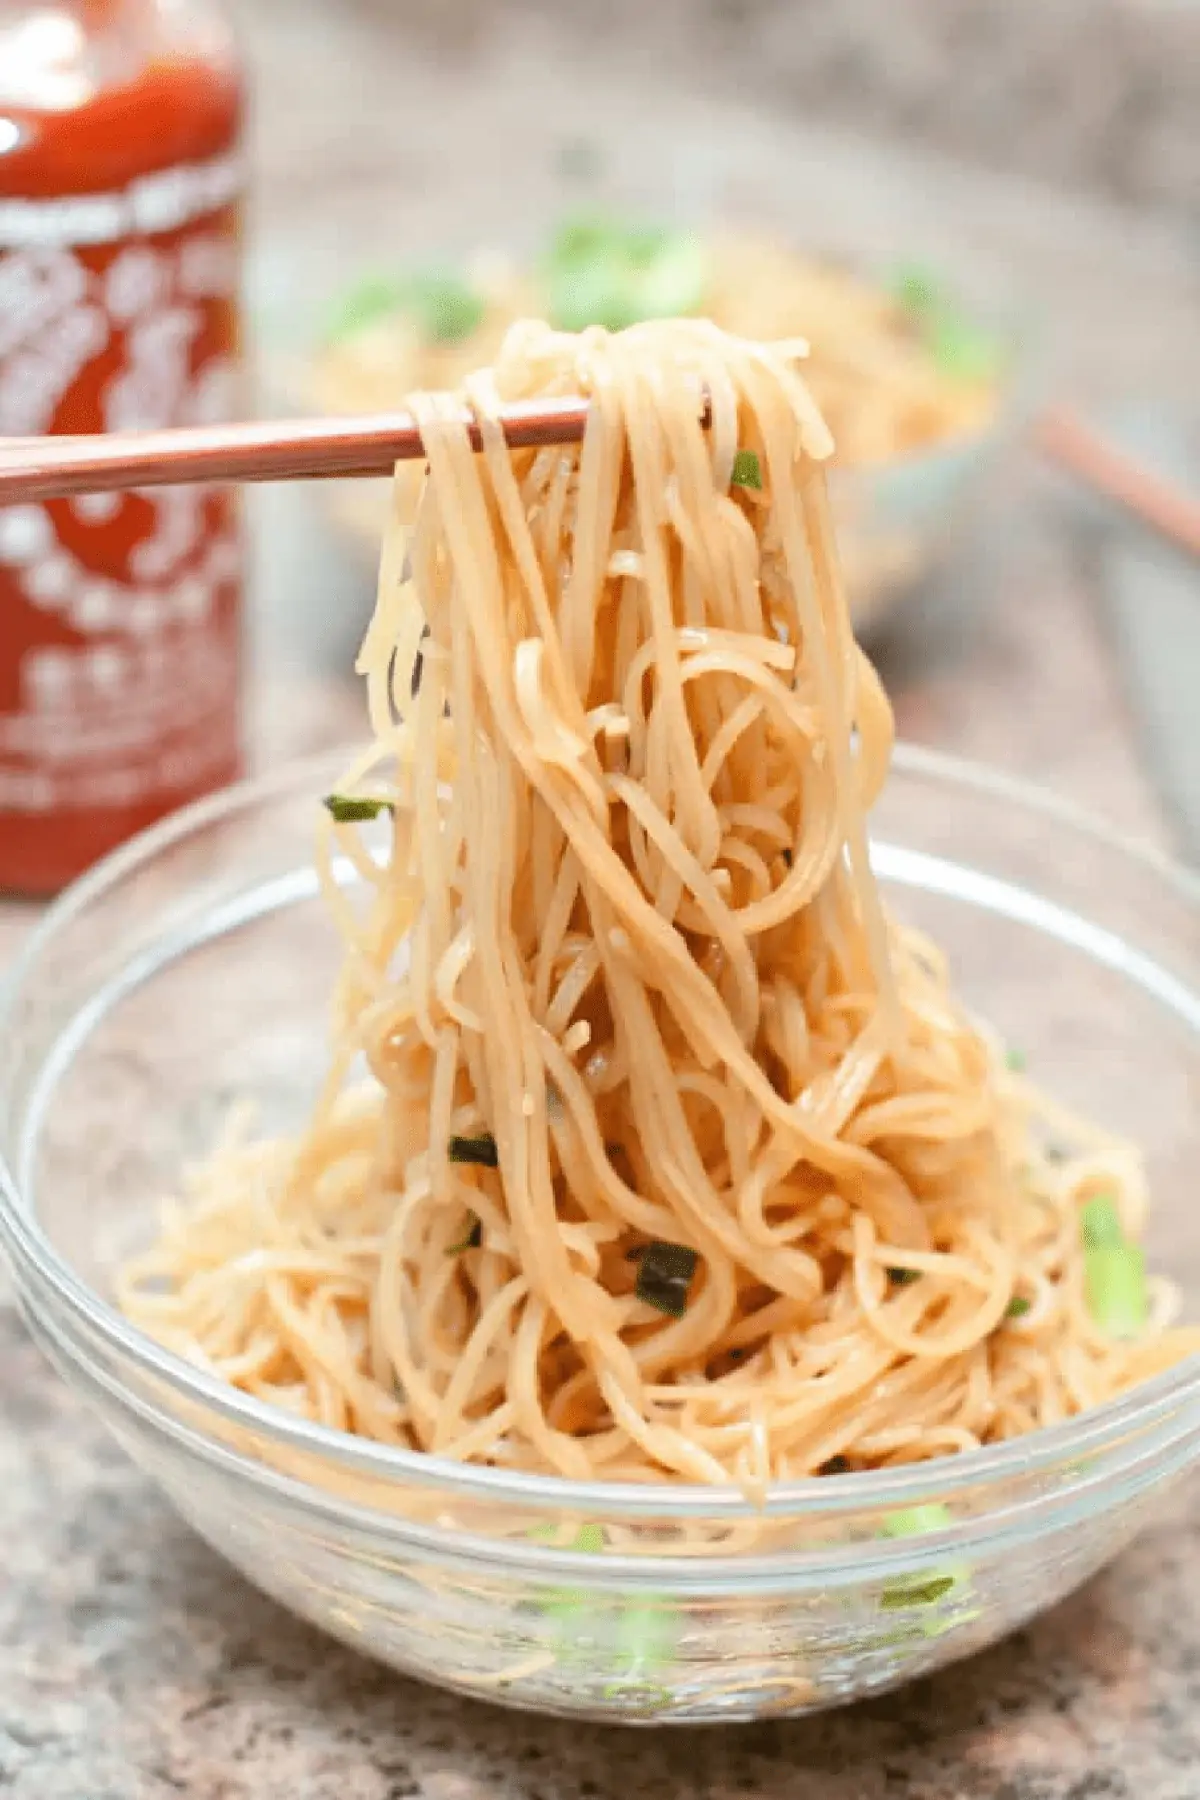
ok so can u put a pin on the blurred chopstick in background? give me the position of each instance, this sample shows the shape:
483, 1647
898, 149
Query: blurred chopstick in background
1165, 508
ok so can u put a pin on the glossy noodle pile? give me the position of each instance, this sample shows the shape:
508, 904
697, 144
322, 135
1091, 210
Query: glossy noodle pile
674, 1155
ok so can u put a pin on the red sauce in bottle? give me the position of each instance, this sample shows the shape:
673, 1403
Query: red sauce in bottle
119, 274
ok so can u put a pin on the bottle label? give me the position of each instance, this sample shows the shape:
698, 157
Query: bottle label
118, 612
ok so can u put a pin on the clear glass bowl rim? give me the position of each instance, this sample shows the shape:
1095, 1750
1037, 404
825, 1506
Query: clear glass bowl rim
1084, 1436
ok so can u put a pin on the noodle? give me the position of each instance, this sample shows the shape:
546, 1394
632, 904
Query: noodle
625, 954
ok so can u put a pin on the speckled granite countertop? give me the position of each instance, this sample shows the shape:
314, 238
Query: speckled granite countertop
133, 1666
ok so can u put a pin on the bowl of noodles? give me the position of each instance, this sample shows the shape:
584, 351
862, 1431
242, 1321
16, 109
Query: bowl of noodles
627, 1194
921, 393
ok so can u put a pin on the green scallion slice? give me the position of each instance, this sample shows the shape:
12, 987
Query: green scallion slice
353, 809
1114, 1271
670, 278
567, 1604
922, 1588
374, 298
481, 1151
903, 1277
600, 272
961, 351
916, 290
643, 1629
472, 1240
646, 1634
1115, 1283
747, 470
959, 348
445, 306
916, 1592
664, 1276
915, 1521
1017, 1307
1100, 1224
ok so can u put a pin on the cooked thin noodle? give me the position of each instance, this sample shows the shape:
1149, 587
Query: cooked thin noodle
626, 925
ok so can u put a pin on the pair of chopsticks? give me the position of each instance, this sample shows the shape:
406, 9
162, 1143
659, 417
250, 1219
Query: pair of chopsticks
50, 468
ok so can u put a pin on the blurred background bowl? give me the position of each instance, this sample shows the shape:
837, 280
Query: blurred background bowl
924, 394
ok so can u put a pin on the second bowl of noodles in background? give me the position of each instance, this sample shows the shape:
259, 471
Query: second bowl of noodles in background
921, 394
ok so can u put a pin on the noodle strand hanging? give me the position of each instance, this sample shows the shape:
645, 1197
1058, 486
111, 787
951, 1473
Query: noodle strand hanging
676, 1155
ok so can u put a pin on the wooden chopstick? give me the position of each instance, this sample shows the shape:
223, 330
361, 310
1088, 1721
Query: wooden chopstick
49, 468
1166, 509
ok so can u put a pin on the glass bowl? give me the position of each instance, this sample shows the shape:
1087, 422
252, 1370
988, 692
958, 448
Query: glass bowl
195, 966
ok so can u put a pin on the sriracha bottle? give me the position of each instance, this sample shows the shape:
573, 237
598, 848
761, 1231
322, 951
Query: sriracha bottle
120, 182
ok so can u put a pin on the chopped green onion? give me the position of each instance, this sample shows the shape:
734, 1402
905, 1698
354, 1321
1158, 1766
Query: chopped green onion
647, 1632
352, 809
747, 470
445, 307
1114, 1271
565, 1604
1017, 1307
961, 351
579, 238
644, 1629
1015, 1060
602, 273
671, 279
959, 348
645, 244
1100, 1224
921, 1589
914, 1521
1115, 1283
479, 1150
591, 294
916, 290
664, 1276
902, 1277
374, 298
471, 1241
916, 1592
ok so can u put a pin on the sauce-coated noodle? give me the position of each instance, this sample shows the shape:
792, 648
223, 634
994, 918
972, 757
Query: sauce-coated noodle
626, 932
